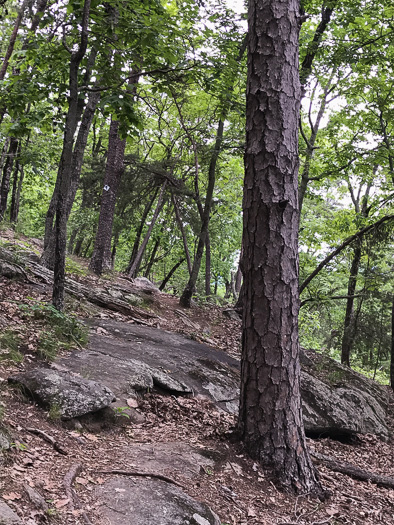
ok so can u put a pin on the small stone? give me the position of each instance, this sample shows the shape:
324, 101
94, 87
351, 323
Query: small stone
8, 516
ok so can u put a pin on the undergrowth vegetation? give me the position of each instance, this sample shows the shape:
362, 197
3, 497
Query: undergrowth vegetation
58, 330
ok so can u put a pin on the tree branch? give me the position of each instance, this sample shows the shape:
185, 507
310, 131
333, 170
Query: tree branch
338, 250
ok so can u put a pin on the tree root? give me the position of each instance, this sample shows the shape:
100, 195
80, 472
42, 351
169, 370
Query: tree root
68, 480
49, 439
354, 472
142, 474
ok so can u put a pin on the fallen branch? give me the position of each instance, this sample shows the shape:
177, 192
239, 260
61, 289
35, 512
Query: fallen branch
354, 472
78, 290
49, 439
68, 481
141, 474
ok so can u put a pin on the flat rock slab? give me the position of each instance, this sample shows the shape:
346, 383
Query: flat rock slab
128, 358
162, 458
151, 502
68, 393
8, 516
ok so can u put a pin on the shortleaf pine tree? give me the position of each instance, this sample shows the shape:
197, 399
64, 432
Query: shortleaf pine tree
270, 421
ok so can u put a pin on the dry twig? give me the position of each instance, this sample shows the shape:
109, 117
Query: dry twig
49, 439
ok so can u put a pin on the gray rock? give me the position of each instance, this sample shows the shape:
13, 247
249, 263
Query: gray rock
135, 358
128, 358
71, 395
338, 401
117, 294
8, 516
5, 441
133, 299
145, 285
230, 313
151, 502
174, 457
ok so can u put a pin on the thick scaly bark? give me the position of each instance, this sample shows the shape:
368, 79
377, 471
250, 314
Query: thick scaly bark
270, 419
101, 260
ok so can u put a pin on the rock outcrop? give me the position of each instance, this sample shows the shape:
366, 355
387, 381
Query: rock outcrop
126, 360
151, 502
67, 394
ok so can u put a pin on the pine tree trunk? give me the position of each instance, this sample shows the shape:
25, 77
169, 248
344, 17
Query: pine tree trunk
270, 418
101, 259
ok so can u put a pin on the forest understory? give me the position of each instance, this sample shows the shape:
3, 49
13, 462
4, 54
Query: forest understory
237, 489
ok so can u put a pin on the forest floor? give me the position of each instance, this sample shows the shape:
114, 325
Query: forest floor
236, 488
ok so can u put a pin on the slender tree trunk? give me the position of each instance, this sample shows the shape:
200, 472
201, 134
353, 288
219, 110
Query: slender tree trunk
17, 187
78, 246
270, 419
4, 152
47, 258
65, 167
15, 183
159, 206
349, 325
7, 170
187, 294
208, 290
137, 240
12, 41
170, 274
41, 6
71, 240
101, 259
152, 256
183, 233
392, 347
310, 144
87, 248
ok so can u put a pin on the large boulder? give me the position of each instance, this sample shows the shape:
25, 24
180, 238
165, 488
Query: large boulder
337, 401
151, 502
67, 394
